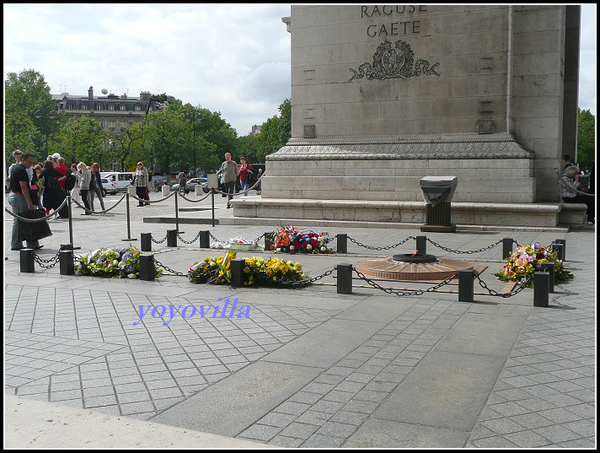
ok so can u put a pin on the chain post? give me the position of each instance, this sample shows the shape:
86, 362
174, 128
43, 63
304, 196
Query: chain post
549, 267
540, 289
342, 243
466, 278
561, 249
147, 267
26, 260
205, 239
69, 203
172, 237
344, 278
421, 244
66, 262
507, 244
237, 272
146, 242
176, 213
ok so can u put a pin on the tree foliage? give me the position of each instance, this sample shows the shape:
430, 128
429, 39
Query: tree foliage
25, 94
586, 138
172, 138
274, 133
80, 140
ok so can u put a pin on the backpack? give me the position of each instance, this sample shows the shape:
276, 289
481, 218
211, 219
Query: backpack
70, 181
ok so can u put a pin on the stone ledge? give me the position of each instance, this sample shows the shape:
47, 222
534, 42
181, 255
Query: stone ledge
545, 215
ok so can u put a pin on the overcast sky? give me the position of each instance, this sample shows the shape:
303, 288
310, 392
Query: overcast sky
230, 58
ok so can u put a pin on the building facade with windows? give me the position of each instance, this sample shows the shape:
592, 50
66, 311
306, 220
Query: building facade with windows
114, 113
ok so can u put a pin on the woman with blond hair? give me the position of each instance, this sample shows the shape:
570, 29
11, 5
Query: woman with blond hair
141, 184
98, 189
85, 177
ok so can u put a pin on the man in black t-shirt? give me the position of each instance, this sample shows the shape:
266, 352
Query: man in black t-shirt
20, 200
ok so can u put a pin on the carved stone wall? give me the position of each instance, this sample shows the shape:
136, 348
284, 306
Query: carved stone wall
383, 95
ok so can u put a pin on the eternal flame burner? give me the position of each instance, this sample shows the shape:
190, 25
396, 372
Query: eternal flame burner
412, 267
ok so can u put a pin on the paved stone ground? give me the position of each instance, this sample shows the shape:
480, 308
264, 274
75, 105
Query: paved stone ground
310, 367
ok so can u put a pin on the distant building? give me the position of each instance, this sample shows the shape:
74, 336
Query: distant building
256, 129
114, 113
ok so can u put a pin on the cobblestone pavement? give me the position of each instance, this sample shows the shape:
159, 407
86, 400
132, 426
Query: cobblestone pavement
310, 367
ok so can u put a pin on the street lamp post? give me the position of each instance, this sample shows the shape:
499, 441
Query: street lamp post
194, 118
46, 113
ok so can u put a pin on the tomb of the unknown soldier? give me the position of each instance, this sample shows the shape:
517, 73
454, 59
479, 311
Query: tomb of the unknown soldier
384, 96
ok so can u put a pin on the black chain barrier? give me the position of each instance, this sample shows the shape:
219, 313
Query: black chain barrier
513, 292
418, 292
51, 261
483, 249
380, 248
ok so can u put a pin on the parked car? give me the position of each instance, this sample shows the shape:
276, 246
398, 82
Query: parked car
109, 187
121, 179
192, 183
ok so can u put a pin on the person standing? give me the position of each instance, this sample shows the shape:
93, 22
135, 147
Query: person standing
243, 171
141, 184
62, 169
20, 200
53, 194
569, 185
98, 189
73, 184
229, 171
17, 154
85, 178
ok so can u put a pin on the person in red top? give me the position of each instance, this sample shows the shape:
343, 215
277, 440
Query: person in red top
62, 169
243, 171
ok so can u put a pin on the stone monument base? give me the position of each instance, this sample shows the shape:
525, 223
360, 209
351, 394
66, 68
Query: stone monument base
295, 211
490, 168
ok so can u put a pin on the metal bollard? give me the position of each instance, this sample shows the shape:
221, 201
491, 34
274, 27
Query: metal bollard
237, 272
466, 279
421, 244
344, 278
66, 246
540, 289
67, 267
146, 242
26, 260
171, 238
561, 249
549, 267
204, 239
268, 241
507, 245
147, 267
342, 243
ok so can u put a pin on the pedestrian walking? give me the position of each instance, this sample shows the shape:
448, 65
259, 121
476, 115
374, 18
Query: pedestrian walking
85, 177
229, 171
242, 172
98, 189
140, 181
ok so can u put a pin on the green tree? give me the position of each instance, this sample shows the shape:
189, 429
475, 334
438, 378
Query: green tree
586, 138
26, 94
276, 131
80, 140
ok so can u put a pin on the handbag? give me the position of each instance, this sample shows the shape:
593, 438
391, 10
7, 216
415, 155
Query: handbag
33, 231
92, 184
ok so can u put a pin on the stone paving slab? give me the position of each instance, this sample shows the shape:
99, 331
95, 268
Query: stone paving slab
536, 365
